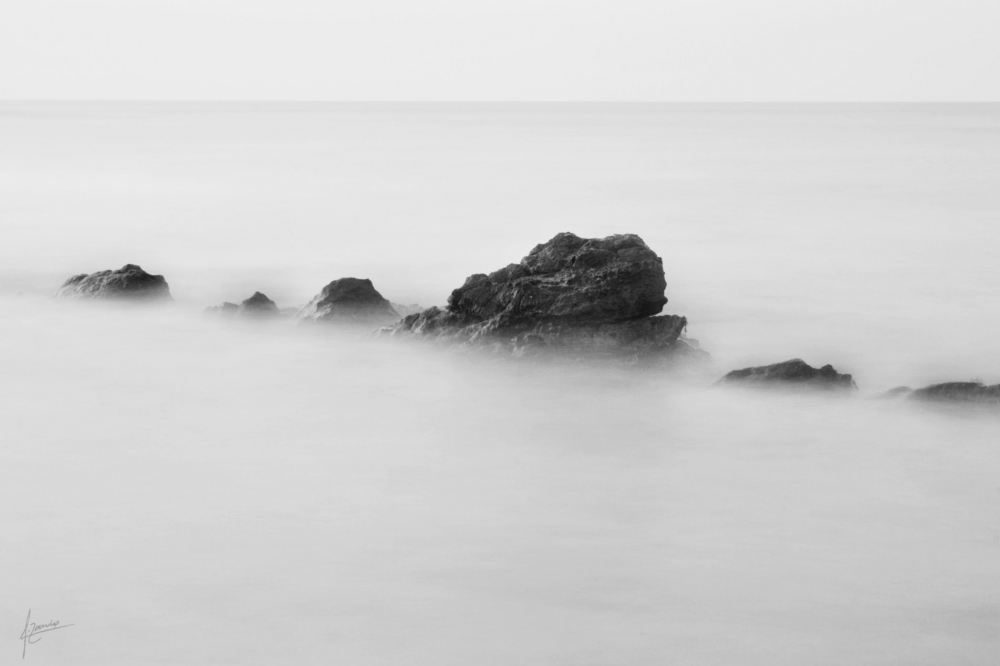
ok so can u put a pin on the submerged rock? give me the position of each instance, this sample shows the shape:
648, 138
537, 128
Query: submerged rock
896, 393
129, 282
958, 392
349, 301
225, 310
590, 297
795, 373
258, 306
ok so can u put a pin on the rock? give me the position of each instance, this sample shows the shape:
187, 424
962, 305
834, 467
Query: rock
407, 310
127, 283
795, 373
690, 341
959, 392
258, 306
224, 310
896, 393
434, 323
636, 337
582, 297
593, 280
349, 301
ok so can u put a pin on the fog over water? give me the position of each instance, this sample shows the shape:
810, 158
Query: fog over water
189, 490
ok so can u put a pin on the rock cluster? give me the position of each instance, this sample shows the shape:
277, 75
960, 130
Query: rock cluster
571, 294
594, 298
349, 301
795, 373
129, 282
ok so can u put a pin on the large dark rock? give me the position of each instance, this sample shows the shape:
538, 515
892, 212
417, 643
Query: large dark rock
795, 373
570, 278
958, 392
582, 297
127, 283
349, 301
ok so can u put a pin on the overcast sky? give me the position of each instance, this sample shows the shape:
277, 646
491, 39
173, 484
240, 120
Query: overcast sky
510, 50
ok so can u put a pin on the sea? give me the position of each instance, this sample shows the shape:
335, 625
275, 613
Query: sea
179, 489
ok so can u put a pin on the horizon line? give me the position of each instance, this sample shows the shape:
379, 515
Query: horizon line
493, 102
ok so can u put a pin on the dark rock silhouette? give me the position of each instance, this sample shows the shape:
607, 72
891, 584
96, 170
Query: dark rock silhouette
129, 282
795, 373
593, 280
349, 301
592, 297
258, 306
958, 392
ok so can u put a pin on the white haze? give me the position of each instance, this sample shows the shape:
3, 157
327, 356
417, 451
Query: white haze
186, 490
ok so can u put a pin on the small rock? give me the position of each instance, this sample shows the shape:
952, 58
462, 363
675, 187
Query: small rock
795, 373
896, 393
258, 306
129, 282
224, 310
349, 301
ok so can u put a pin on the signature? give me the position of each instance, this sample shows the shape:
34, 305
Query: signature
31, 631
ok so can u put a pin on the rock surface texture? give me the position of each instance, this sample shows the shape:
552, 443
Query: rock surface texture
129, 282
570, 278
571, 294
349, 301
795, 373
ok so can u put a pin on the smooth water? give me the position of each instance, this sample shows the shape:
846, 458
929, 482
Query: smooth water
185, 490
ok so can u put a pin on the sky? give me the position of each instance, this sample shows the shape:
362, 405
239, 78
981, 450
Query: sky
502, 50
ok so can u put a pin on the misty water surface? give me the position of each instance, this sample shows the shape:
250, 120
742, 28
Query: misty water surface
187, 490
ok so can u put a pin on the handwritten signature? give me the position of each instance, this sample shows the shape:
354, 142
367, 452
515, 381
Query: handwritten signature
31, 631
